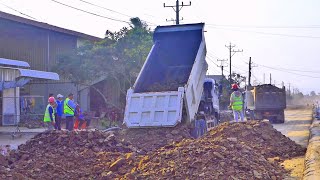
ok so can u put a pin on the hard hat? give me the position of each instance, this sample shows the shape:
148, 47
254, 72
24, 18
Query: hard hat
51, 100
234, 86
59, 96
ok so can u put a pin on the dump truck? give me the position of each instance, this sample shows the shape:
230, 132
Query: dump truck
266, 102
169, 88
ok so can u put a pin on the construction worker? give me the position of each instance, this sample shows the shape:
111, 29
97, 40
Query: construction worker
49, 118
79, 117
69, 108
236, 103
59, 111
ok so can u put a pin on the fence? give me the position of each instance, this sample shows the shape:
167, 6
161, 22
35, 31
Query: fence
23, 109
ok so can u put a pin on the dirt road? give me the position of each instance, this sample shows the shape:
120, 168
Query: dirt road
296, 127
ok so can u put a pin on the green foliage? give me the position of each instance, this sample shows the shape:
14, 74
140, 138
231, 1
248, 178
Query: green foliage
237, 78
118, 57
226, 88
312, 93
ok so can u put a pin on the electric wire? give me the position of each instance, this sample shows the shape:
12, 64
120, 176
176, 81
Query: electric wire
88, 12
295, 70
265, 33
24, 14
112, 10
317, 77
266, 26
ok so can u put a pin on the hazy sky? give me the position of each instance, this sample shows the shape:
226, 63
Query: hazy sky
281, 36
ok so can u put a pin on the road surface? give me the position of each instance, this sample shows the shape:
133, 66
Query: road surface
296, 127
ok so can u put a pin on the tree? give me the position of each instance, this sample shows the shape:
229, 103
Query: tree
226, 88
312, 94
118, 57
237, 78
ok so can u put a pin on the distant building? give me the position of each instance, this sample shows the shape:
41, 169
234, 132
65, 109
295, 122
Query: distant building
39, 44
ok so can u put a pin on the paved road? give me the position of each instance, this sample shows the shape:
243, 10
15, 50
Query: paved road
7, 139
296, 127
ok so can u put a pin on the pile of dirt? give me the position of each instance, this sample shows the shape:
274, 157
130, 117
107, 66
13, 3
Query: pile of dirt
167, 86
261, 136
249, 150
65, 155
239, 151
226, 116
149, 139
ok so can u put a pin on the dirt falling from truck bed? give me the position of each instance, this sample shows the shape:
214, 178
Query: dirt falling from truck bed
239, 150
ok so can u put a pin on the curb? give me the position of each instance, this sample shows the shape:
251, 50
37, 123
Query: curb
312, 158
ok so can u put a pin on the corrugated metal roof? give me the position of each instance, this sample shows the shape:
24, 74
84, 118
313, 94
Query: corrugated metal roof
9, 62
38, 74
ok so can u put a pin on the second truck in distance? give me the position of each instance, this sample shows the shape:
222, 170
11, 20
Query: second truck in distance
266, 102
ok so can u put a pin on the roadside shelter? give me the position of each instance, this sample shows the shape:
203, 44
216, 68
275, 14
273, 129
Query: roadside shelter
13, 75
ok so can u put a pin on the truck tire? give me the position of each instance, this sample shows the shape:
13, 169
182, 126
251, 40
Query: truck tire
280, 117
258, 115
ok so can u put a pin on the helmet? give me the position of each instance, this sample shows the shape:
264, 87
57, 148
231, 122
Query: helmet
234, 86
51, 99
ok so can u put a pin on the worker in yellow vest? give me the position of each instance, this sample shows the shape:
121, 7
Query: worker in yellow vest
49, 118
236, 103
68, 109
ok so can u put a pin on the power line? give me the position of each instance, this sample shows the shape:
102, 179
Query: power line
105, 8
110, 10
212, 61
239, 68
210, 53
90, 12
267, 27
297, 70
216, 65
265, 33
288, 71
18, 11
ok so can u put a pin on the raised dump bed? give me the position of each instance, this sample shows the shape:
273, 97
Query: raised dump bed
171, 77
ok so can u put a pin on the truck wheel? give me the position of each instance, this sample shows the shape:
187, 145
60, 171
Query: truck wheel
258, 115
281, 117
251, 114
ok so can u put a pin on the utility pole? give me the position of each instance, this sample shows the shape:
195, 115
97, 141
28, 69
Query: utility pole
177, 9
173, 20
231, 53
270, 79
289, 90
249, 80
250, 71
222, 65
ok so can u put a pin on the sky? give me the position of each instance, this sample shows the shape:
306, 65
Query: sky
281, 36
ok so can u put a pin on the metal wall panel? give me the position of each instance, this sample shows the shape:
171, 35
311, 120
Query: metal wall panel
30, 44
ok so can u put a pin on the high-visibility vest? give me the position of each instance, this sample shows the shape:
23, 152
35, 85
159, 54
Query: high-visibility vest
66, 108
237, 102
47, 114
